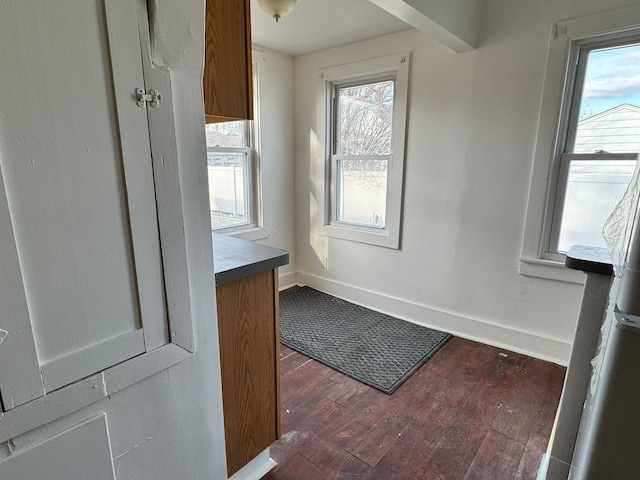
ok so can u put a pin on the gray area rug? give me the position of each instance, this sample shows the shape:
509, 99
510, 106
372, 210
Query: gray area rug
373, 348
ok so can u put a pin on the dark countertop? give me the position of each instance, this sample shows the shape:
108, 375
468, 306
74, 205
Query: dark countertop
589, 260
234, 258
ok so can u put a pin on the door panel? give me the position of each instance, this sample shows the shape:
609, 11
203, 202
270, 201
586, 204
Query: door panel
76, 165
83, 451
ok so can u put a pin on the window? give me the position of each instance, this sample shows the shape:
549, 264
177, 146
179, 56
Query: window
580, 167
231, 172
600, 143
365, 123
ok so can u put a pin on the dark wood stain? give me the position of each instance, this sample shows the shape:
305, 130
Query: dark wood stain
471, 412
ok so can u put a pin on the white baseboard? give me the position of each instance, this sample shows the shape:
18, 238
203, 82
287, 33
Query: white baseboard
552, 469
480, 330
286, 280
256, 468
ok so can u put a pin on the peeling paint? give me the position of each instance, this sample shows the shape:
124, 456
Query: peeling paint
104, 385
13, 446
3, 334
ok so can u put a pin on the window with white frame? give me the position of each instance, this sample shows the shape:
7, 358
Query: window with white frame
581, 162
230, 165
599, 142
233, 170
365, 131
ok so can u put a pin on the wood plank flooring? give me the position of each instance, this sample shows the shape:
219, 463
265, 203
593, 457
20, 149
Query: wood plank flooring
471, 412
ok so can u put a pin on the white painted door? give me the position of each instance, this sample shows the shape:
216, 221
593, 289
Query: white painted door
80, 262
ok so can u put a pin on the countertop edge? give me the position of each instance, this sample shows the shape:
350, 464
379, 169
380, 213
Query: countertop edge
235, 258
244, 271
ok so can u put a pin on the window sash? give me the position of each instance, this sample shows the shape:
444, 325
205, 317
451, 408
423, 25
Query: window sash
338, 86
248, 184
338, 198
580, 56
562, 183
335, 196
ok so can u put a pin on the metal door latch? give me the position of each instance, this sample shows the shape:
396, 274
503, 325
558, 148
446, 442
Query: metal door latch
153, 98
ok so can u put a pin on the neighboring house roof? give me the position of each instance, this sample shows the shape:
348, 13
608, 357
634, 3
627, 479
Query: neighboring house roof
216, 138
615, 130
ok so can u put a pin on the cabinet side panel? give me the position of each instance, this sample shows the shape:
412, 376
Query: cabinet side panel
247, 356
276, 310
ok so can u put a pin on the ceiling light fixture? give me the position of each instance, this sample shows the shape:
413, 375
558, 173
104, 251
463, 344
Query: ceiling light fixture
277, 8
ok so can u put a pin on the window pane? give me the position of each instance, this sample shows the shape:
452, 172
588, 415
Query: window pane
364, 119
227, 134
609, 118
593, 190
228, 188
362, 191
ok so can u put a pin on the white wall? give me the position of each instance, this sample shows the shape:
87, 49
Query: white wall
275, 71
170, 425
471, 133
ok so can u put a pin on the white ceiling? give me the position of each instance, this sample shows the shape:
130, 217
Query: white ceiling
320, 24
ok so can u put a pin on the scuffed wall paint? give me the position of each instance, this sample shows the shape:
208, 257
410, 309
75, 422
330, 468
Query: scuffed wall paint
172, 36
3, 334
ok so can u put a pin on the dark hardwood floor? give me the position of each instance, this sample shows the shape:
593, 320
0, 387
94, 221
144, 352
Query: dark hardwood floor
471, 412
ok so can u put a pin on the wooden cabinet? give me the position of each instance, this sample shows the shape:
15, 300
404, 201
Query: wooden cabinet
248, 325
227, 81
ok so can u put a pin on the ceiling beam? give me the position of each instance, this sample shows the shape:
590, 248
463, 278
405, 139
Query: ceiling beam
454, 23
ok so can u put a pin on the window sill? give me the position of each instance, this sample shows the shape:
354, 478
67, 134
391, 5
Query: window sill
250, 234
380, 238
550, 270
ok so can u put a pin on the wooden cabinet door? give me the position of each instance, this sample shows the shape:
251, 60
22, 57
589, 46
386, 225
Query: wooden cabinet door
249, 340
227, 77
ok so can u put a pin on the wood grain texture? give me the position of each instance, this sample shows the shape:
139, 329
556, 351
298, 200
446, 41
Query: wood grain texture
227, 80
450, 420
497, 453
247, 323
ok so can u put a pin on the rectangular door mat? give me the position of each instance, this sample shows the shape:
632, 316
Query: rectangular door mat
371, 347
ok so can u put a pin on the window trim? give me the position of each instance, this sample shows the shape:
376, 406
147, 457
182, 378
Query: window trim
380, 68
552, 124
563, 163
253, 230
568, 128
